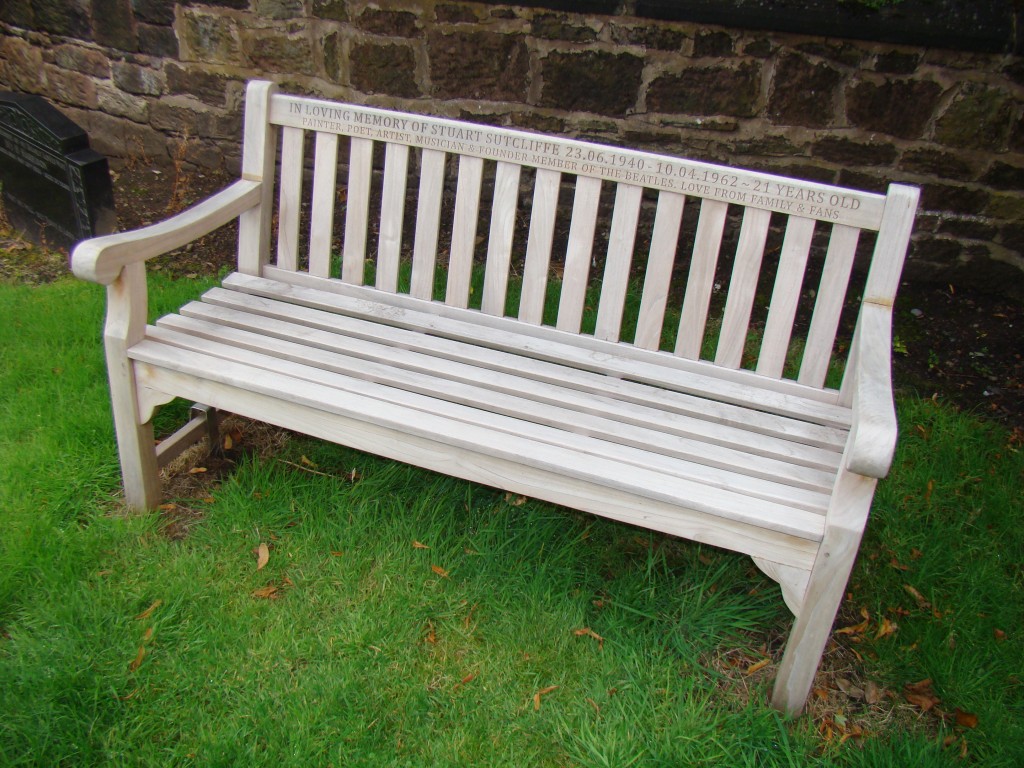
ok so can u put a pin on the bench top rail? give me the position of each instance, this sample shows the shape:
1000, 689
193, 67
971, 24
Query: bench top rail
556, 217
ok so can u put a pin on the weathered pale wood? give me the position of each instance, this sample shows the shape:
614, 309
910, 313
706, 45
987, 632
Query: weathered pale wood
428, 219
538, 246
663, 172
658, 276
499, 245
325, 176
828, 305
742, 286
781, 470
579, 253
615, 282
125, 327
101, 259
392, 214
700, 283
289, 206
785, 296
467, 206
357, 210
259, 154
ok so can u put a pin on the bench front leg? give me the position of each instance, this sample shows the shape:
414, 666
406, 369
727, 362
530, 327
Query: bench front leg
826, 587
125, 325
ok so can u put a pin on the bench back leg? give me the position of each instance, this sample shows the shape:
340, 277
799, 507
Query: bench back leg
126, 318
825, 590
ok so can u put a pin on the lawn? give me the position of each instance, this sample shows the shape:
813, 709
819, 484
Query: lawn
326, 607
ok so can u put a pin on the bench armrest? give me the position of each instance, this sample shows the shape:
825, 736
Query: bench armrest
101, 259
873, 437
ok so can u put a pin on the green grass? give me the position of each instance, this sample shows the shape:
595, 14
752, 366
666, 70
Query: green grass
370, 656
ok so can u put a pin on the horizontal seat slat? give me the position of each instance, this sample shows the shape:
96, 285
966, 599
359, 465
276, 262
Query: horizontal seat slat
603, 418
434, 419
660, 370
718, 417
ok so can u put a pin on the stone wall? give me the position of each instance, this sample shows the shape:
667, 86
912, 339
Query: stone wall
152, 79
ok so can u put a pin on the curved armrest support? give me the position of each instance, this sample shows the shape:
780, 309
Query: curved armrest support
101, 259
873, 437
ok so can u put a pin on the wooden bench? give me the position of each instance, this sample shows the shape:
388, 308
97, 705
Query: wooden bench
748, 449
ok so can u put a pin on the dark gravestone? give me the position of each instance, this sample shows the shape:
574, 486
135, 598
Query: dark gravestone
56, 191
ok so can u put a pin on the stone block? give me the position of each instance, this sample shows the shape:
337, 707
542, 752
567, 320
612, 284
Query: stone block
935, 162
970, 228
766, 146
837, 149
184, 116
21, 65
535, 121
656, 36
760, 48
157, 41
332, 46
63, 17
206, 86
954, 198
869, 182
847, 54
708, 43
390, 23
331, 10
79, 59
209, 39
142, 81
154, 11
1017, 136
977, 118
1003, 175
115, 102
897, 62
803, 92
450, 13
71, 88
559, 26
897, 107
114, 24
17, 13
279, 9
708, 90
272, 51
1006, 206
591, 81
388, 68
479, 65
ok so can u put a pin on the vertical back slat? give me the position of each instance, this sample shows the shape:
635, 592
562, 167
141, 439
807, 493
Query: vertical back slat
499, 244
392, 212
707, 242
428, 221
357, 210
325, 171
259, 154
579, 253
835, 279
658, 276
742, 287
785, 296
538, 245
467, 205
289, 207
621, 238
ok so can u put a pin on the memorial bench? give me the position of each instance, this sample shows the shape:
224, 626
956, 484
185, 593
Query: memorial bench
748, 450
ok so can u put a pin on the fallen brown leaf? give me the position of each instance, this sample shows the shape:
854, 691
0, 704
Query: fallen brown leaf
268, 592
851, 690
419, 545
262, 556
588, 632
886, 628
921, 601
999, 635
137, 661
966, 719
431, 634
542, 692
149, 611
439, 571
757, 666
147, 635
856, 629
872, 693
921, 695
197, 470
515, 501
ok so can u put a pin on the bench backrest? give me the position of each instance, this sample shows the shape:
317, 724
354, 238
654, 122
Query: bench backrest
682, 230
